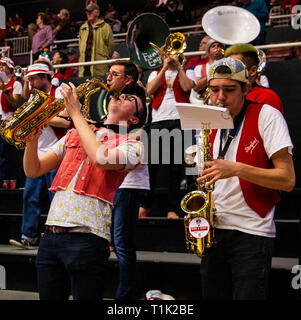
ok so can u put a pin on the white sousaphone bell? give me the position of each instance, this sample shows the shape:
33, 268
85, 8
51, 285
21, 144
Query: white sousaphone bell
230, 25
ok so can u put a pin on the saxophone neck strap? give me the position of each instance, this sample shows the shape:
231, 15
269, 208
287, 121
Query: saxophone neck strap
232, 133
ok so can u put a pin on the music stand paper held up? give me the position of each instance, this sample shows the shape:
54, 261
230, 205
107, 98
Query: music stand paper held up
192, 116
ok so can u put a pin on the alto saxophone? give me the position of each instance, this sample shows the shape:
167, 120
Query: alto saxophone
198, 204
39, 110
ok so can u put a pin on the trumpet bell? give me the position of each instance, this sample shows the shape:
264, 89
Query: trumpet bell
230, 25
143, 30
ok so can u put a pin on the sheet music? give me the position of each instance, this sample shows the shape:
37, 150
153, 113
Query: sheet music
192, 116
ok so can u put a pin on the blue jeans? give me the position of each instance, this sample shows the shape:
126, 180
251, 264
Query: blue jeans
123, 234
31, 204
71, 263
238, 267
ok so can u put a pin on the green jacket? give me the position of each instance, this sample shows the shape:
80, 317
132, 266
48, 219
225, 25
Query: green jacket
102, 49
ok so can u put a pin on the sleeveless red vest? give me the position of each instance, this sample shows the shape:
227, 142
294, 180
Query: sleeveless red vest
265, 95
92, 181
6, 105
180, 95
251, 151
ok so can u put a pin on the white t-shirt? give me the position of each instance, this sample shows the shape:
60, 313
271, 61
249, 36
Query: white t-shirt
17, 89
137, 179
167, 110
48, 138
232, 210
198, 70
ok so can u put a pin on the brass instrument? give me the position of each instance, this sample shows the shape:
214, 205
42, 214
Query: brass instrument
174, 44
146, 28
40, 109
198, 204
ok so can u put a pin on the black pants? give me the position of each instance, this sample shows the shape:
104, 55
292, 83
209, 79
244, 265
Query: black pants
238, 267
169, 159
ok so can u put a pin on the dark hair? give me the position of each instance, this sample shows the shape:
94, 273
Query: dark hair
65, 59
250, 59
138, 91
129, 68
43, 17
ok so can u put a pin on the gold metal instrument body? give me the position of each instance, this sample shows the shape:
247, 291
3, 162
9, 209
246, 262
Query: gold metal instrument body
198, 204
34, 114
174, 44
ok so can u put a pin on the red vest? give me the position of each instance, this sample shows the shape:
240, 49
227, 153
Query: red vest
265, 95
251, 151
92, 181
180, 95
5, 104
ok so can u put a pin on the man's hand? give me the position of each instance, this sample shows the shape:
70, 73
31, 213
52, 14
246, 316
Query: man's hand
217, 169
71, 100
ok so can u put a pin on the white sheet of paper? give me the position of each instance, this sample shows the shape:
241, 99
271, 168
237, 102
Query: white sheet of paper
192, 116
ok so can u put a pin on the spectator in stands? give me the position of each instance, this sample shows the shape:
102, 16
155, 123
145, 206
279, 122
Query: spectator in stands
73, 58
168, 84
62, 30
289, 4
115, 23
52, 18
121, 76
18, 24
261, 12
96, 42
10, 26
61, 57
39, 77
43, 38
214, 51
174, 17
110, 14
201, 59
10, 92
32, 29
247, 53
74, 251
2, 36
258, 158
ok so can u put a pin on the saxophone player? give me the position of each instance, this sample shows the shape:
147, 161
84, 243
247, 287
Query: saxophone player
250, 164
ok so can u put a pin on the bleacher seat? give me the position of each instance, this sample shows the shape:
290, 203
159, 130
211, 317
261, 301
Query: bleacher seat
278, 54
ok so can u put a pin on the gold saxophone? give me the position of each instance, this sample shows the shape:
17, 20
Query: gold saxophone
39, 110
198, 204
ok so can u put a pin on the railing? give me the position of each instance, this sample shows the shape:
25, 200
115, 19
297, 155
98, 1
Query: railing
21, 44
187, 54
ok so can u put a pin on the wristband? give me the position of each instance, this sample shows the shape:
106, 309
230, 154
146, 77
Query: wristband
6, 91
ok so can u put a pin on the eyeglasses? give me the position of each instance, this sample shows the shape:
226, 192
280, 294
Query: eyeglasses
113, 74
131, 98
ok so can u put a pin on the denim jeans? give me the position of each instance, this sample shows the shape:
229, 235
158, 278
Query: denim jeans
123, 234
71, 263
238, 267
31, 204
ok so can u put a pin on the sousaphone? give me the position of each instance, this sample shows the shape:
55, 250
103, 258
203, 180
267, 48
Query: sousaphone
145, 29
230, 25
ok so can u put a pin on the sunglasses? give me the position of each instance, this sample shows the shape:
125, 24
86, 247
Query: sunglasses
131, 98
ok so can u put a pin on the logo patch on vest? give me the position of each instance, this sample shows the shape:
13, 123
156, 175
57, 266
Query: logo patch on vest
252, 146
